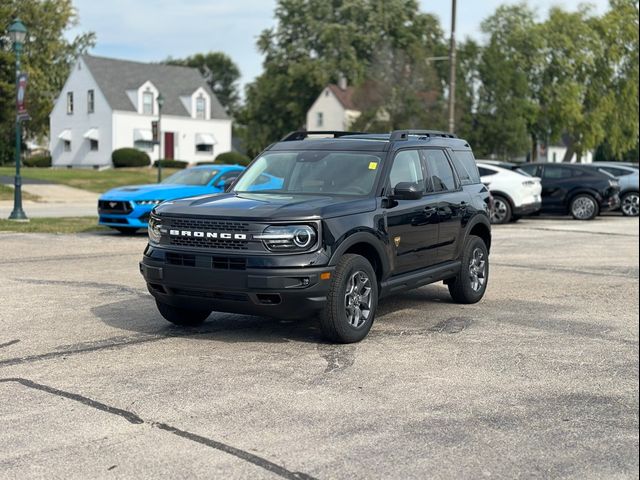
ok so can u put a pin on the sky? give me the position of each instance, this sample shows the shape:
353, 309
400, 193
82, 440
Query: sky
152, 30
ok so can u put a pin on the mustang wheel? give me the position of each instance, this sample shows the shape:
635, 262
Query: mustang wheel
630, 206
351, 302
501, 211
584, 207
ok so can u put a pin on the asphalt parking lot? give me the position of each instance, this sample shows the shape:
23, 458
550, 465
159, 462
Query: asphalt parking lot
539, 380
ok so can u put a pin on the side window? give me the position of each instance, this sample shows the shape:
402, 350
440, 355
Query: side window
466, 167
556, 173
485, 172
441, 177
531, 170
406, 168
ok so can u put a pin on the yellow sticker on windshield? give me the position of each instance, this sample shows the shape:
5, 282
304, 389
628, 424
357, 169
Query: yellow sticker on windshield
373, 165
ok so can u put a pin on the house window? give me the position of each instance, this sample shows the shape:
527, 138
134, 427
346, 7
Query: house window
69, 103
93, 145
204, 148
90, 101
66, 146
319, 119
147, 103
200, 107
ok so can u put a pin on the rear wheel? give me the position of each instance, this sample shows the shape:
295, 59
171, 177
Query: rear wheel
630, 204
501, 212
185, 317
351, 302
471, 283
126, 230
584, 207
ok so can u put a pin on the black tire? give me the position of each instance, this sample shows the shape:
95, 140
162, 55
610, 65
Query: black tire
126, 230
334, 319
184, 317
629, 204
584, 207
515, 218
501, 212
462, 288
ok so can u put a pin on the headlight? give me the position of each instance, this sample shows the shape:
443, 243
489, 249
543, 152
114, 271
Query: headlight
149, 202
290, 238
153, 228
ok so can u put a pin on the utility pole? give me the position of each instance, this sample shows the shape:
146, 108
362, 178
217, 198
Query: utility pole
452, 70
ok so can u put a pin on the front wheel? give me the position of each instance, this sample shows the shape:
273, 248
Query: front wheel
471, 283
352, 301
584, 207
184, 317
501, 212
630, 204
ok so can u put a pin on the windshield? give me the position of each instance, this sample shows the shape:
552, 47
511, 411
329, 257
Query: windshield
312, 172
191, 176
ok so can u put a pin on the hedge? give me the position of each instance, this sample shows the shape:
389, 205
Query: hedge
39, 161
166, 163
232, 158
129, 157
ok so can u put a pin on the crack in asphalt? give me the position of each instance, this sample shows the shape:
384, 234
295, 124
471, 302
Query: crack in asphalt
9, 343
86, 256
98, 285
566, 230
631, 272
136, 420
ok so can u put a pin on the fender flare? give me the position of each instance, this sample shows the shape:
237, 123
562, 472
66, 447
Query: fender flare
479, 219
366, 237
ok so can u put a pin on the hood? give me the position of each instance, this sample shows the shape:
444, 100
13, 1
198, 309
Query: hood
252, 206
157, 191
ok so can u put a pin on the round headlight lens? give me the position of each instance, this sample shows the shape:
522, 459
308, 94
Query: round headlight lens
291, 238
153, 229
303, 236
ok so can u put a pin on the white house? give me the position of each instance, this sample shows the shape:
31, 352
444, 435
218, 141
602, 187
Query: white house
333, 109
108, 104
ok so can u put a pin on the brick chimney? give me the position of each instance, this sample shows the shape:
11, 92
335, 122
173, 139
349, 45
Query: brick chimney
342, 82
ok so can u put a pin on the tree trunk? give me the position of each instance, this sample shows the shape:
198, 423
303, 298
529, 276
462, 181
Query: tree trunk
569, 153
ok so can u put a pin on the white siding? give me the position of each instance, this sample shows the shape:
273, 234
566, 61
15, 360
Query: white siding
333, 113
79, 82
556, 154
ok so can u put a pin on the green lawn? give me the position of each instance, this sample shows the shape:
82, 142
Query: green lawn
92, 180
53, 225
6, 193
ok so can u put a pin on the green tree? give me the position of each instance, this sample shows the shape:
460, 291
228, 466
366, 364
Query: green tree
220, 72
312, 44
47, 57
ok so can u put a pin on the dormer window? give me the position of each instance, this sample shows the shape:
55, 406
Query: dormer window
147, 103
200, 107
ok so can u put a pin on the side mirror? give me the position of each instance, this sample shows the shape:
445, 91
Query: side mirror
408, 191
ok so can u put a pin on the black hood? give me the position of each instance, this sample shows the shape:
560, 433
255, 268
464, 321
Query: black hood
261, 206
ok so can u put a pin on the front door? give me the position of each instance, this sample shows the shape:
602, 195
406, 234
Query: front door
556, 181
168, 146
412, 224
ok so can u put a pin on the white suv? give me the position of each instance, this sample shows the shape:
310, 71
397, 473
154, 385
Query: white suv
514, 194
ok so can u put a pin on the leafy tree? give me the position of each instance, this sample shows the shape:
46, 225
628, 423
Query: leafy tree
313, 43
46, 57
221, 73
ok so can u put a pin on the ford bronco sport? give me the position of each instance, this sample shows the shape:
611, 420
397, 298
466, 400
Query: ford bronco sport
352, 218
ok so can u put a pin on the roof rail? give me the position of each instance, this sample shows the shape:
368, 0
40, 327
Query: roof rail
404, 134
302, 134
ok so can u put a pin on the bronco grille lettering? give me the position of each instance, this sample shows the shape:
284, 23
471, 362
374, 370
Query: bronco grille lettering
202, 234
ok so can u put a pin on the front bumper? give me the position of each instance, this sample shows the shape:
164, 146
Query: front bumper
137, 218
224, 284
610, 203
528, 208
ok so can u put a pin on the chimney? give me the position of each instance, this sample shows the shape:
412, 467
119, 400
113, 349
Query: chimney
342, 82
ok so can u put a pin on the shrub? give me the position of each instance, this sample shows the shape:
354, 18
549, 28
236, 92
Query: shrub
39, 161
129, 157
166, 163
233, 158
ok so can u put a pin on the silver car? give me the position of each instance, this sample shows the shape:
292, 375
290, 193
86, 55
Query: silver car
627, 175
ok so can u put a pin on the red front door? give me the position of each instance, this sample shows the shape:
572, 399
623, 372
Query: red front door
168, 145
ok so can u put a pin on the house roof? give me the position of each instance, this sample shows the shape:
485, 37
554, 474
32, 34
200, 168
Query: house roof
115, 77
345, 97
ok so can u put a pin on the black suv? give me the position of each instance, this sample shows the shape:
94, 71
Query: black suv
576, 189
326, 226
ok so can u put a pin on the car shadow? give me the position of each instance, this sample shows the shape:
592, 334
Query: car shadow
139, 315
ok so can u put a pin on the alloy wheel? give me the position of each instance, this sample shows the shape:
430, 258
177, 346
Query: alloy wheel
630, 205
499, 211
477, 270
583, 208
357, 299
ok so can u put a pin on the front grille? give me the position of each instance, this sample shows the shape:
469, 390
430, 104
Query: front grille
180, 259
123, 221
229, 263
209, 224
196, 225
209, 243
114, 206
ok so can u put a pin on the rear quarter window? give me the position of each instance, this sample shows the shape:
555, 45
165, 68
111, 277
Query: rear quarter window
465, 165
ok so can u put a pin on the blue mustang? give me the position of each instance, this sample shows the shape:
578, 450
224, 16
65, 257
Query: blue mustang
127, 208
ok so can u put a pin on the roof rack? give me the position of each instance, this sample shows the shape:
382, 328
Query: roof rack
404, 134
302, 134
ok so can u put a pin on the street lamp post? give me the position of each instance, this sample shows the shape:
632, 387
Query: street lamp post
18, 34
452, 70
160, 101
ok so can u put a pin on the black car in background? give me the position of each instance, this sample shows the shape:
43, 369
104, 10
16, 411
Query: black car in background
574, 189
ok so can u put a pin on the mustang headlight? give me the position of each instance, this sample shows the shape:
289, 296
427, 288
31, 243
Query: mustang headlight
289, 238
153, 228
149, 202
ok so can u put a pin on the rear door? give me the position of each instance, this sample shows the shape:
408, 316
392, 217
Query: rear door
412, 224
443, 186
